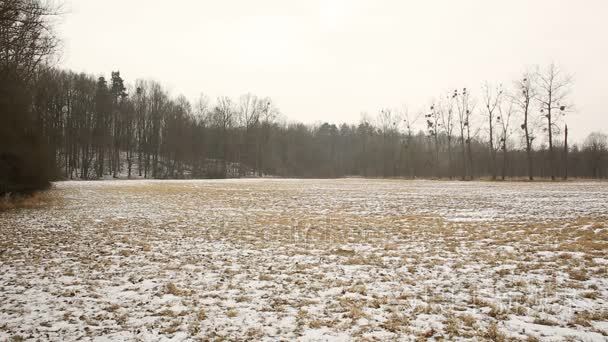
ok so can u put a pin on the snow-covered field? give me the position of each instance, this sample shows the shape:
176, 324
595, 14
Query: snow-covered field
307, 259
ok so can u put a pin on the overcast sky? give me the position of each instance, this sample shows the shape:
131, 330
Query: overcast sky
330, 60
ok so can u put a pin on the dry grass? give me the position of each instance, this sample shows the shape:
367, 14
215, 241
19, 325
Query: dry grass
593, 295
232, 313
494, 334
545, 321
171, 288
579, 274
396, 323
35, 200
293, 258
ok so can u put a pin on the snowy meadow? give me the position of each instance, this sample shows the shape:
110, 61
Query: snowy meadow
314, 260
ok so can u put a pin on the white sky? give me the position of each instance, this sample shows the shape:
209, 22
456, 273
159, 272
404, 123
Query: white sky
330, 60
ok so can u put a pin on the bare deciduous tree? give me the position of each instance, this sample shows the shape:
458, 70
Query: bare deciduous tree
525, 93
465, 111
554, 88
596, 146
27, 36
27, 43
505, 113
388, 122
492, 98
448, 122
409, 123
432, 126
223, 119
248, 117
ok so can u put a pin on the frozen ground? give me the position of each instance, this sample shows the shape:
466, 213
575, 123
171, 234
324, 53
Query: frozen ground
307, 259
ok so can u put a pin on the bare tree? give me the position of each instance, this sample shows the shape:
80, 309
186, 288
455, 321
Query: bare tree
432, 126
492, 98
158, 100
505, 113
223, 118
388, 121
202, 109
140, 107
465, 110
129, 139
27, 42
409, 123
554, 88
248, 118
27, 36
596, 146
249, 110
470, 137
448, 121
525, 93
268, 114
565, 152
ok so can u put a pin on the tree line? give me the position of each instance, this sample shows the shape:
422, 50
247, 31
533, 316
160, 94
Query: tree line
58, 124
95, 127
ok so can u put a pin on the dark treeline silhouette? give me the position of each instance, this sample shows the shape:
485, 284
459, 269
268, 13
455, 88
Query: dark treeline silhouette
58, 124
96, 127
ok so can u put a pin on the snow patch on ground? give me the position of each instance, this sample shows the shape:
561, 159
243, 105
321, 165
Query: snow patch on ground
315, 260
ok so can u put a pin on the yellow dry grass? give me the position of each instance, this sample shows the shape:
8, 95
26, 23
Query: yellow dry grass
35, 200
283, 245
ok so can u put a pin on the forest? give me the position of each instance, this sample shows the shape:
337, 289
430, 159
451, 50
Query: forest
59, 124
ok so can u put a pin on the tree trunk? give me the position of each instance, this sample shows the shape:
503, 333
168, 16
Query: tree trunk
469, 151
437, 154
450, 158
566, 152
492, 150
464, 156
504, 159
528, 142
551, 159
